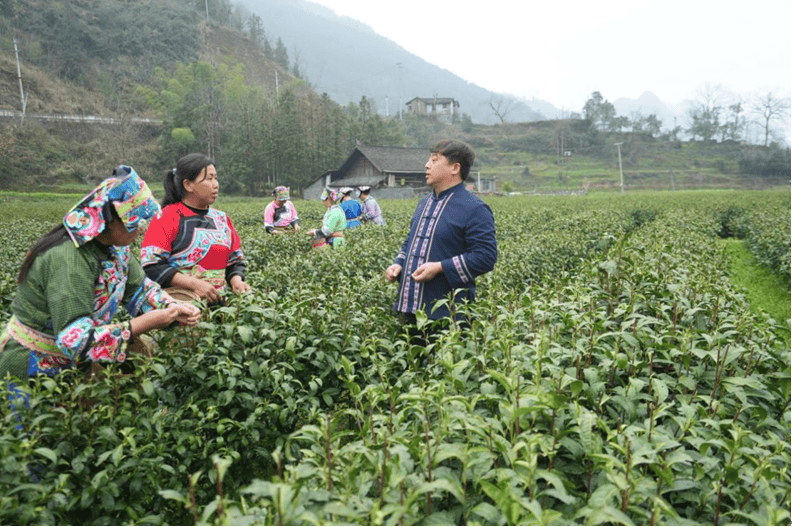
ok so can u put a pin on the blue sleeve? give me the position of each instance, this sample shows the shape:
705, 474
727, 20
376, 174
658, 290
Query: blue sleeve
480, 249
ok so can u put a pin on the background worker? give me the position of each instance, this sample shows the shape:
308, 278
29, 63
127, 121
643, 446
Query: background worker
280, 213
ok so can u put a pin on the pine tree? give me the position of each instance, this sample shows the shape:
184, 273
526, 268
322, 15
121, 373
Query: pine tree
281, 54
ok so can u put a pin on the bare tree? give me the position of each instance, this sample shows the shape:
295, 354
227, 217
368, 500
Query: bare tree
502, 106
769, 108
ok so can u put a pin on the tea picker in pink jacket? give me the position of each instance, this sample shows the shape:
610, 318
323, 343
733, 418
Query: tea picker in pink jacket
280, 214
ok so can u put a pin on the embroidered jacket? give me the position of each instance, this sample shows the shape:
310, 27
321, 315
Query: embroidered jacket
282, 216
201, 243
62, 313
456, 229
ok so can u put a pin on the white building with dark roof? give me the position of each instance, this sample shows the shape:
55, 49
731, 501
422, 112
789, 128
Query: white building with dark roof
444, 107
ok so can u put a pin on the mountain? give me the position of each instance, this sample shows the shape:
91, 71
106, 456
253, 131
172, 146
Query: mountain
647, 104
348, 60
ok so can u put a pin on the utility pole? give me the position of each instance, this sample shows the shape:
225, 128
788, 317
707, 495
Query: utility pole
21, 90
401, 102
621, 174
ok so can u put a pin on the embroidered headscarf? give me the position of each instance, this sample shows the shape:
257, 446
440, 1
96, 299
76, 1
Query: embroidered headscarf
346, 191
125, 191
330, 193
364, 189
281, 193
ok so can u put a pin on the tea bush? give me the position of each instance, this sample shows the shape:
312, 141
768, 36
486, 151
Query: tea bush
611, 374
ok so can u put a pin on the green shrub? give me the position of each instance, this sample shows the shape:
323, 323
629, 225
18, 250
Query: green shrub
611, 374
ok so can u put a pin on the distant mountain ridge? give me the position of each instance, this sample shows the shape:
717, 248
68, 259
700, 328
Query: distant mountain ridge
348, 60
647, 104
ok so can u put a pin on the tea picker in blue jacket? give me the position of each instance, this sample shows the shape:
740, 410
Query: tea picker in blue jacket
351, 207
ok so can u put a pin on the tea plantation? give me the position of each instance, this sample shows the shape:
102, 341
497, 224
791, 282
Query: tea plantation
613, 374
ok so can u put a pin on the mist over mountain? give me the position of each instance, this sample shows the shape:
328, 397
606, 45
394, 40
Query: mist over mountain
648, 104
348, 60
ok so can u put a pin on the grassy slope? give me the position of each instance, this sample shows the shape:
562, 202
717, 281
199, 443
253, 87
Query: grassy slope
765, 291
656, 166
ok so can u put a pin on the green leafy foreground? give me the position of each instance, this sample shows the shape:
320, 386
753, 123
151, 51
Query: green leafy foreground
612, 375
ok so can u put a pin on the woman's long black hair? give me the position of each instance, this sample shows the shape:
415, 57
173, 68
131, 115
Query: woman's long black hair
189, 167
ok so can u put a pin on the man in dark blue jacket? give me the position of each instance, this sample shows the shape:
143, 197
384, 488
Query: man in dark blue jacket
451, 240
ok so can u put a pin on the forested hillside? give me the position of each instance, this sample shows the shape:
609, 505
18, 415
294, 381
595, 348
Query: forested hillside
216, 87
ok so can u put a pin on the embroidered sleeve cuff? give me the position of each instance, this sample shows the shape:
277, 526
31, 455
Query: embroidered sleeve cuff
457, 272
400, 259
76, 338
107, 343
149, 296
111, 343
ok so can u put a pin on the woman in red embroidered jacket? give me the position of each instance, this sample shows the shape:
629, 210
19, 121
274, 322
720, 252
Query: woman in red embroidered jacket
193, 246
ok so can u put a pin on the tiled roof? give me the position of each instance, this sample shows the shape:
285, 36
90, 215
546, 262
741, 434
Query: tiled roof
390, 159
396, 159
433, 100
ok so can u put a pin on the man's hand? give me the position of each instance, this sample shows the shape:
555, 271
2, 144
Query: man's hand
392, 273
427, 271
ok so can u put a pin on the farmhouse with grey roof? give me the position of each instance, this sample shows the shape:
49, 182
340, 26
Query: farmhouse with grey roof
392, 172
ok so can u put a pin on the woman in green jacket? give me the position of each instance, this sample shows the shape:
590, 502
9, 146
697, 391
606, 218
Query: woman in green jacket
76, 277
333, 224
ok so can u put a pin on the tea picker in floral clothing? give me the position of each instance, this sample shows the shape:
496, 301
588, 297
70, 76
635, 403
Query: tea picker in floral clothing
451, 239
333, 224
280, 214
75, 278
192, 247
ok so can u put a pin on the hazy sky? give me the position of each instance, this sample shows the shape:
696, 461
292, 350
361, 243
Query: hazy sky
562, 51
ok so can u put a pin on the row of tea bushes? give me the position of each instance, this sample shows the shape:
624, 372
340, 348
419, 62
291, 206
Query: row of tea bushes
612, 374
636, 389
